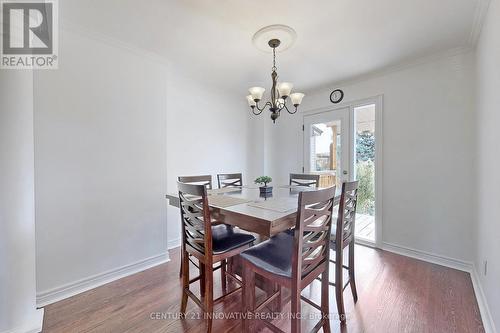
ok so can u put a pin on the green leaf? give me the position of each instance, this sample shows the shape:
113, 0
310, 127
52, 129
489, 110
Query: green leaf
263, 180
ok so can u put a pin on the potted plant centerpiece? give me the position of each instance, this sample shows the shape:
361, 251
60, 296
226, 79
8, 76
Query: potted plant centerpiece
264, 180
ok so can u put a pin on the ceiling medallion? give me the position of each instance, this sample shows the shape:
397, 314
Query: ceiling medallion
280, 91
285, 34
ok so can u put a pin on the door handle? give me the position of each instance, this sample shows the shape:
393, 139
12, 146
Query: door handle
344, 172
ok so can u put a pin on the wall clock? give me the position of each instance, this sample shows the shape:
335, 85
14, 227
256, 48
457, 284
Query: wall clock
336, 96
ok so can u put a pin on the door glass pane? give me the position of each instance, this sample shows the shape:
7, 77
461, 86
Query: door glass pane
364, 170
326, 150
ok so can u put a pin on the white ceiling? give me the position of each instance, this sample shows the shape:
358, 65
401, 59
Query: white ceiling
336, 39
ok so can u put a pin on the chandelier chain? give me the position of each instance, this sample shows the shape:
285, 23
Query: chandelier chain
274, 60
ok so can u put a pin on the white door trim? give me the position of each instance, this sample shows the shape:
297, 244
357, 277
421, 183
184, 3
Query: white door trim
379, 139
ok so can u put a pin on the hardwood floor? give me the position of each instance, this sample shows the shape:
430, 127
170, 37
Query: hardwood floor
396, 294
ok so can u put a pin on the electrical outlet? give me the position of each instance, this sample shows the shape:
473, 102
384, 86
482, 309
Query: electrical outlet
485, 264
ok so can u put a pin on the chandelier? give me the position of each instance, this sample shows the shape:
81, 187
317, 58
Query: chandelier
280, 91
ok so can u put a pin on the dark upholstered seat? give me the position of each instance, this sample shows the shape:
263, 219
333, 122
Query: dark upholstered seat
273, 255
291, 260
225, 238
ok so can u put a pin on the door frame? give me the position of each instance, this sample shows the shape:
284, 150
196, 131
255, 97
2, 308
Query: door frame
379, 139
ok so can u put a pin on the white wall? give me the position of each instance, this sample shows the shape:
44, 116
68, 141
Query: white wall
113, 130
428, 156
17, 223
100, 164
488, 159
208, 133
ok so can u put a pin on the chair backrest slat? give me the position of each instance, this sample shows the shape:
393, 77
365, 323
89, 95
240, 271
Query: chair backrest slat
230, 180
195, 217
301, 179
199, 180
346, 214
312, 231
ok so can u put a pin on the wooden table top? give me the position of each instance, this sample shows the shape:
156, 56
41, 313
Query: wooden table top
263, 215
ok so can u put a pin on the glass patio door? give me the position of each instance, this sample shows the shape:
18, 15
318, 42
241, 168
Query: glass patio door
341, 145
326, 145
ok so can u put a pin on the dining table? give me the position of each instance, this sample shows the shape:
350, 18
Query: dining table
246, 208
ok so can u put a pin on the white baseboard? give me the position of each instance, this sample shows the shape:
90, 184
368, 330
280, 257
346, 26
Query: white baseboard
461, 265
488, 323
34, 326
174, 243
56, 294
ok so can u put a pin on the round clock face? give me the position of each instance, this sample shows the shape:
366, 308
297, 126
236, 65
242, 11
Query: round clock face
336, 96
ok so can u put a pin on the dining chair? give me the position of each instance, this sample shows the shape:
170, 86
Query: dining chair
205, 180
343, 236
230, 180
302, 179
209, 244
292, 259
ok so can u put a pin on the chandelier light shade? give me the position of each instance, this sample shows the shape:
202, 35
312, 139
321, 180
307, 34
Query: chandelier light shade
296, 98
256, 93
250, 101
285, 88
280, 92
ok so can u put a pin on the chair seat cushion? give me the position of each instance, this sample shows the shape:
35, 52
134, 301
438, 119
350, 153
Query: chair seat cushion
225, 238
273, 255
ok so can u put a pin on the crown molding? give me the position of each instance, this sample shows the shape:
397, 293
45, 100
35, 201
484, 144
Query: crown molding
413, 62
479, 18
480, 13
108, 40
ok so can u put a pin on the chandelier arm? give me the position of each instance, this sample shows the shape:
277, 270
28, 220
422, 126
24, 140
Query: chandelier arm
286, 107
261, 109
256, 113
